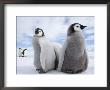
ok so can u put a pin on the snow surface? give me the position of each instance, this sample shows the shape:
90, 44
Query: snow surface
25, 64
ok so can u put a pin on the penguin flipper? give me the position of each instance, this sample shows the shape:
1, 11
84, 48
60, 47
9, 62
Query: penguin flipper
43, 60
86, 61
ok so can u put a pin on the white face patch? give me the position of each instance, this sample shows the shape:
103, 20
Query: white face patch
77, 27
40, 33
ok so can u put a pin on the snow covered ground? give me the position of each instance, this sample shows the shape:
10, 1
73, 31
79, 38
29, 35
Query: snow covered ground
25, 64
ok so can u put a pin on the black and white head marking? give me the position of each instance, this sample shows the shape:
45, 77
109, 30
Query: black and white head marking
19, 48
75, 27
39, 32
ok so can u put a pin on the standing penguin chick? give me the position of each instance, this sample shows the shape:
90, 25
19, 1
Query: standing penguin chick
44, 54
21, 52
75, 56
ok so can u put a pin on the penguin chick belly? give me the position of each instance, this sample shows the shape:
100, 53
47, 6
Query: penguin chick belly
47, 55
74, 59
75, 47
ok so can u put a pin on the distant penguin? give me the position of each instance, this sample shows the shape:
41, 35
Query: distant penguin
74, 59
44, 53
22, 52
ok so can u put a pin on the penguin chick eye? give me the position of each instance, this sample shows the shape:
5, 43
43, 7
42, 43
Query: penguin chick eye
39, 31
77, 26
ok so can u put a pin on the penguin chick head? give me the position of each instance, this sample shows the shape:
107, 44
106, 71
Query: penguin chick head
39, 32
75, 27
19, 48
78, 27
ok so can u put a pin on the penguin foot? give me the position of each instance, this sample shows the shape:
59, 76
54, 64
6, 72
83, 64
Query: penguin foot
71, 71
40, 71
79, 71
67, 71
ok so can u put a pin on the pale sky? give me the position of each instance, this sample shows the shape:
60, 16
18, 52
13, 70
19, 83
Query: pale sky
55, 28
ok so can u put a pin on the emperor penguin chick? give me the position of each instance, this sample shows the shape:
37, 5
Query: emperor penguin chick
75, 58
44, 54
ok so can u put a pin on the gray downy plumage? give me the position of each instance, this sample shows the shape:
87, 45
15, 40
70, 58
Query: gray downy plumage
75, 55
37, 50
44, 53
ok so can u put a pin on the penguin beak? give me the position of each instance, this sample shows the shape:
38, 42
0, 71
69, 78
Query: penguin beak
82, 27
